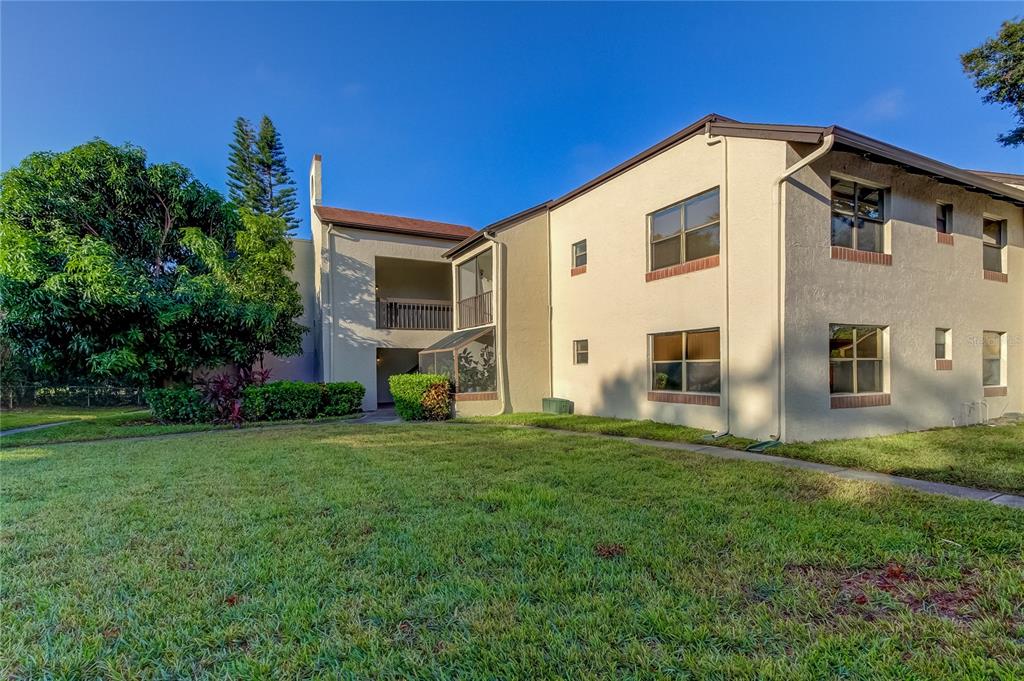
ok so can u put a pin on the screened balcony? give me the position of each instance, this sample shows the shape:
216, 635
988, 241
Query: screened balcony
413, 294
476, 283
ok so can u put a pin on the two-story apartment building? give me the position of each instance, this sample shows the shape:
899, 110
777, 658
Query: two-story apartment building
779, 281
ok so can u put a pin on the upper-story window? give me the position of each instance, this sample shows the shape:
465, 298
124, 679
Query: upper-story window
476, 280
579, 253
684, 231
943, 218
994, 239
858, 216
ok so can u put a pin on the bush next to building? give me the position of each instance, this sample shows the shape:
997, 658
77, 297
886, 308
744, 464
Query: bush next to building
179, 405
281, 400
421, 397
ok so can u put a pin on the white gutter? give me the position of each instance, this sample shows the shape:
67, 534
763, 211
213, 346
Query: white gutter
724, 220
826, 146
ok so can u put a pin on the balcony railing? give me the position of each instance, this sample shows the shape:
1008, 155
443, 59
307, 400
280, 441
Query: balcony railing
410, 313
475, 311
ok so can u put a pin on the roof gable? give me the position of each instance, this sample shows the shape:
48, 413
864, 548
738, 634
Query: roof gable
395, 224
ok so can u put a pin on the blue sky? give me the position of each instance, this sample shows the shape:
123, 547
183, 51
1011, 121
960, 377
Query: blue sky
469, 112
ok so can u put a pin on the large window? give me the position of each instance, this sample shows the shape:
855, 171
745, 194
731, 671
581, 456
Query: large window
581, 351
994, 239
992, 358
858, 216
441, 362
685, 231
855, 359
579, 253
686, 361
476, 366
943, 218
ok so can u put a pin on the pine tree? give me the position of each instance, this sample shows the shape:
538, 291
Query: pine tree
244, 187
278, 196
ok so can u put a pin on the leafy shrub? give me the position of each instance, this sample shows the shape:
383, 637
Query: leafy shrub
342, 399
224, 392
179, 405
282, 400
408, 391
437, 402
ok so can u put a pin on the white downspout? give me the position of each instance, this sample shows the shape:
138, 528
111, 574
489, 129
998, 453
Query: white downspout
826, 146
724, 219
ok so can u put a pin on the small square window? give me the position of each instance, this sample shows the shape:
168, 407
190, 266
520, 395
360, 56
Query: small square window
579, 253
943, 218
581, 351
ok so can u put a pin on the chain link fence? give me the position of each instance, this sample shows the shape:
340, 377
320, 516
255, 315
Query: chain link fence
43, 395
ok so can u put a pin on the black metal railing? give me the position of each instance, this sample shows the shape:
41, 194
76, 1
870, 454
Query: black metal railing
409, 313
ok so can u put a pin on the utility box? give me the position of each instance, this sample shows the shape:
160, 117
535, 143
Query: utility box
557, 405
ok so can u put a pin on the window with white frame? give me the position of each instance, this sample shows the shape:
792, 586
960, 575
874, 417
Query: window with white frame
686, 361
579, 253
943, 218
856, 362
993, 239
685, 231
992, 358
943, 348
581, 351
858, 216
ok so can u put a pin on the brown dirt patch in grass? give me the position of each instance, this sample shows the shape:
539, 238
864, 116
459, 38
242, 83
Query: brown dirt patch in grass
609, 551
859, 592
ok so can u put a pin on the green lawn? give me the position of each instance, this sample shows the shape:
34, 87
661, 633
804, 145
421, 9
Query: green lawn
349, 551
990, 457
35, 416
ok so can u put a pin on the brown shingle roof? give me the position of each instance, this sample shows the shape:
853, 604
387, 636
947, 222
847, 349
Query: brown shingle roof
393, 223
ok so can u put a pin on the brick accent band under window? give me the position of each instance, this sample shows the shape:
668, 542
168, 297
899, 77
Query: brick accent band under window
864, 257
866, 400
995, 391
946, 239
996, 276
692, 266
943, 365
475, 397
577, 270
702, 399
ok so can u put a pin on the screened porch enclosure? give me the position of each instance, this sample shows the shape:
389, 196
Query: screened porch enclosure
467, 358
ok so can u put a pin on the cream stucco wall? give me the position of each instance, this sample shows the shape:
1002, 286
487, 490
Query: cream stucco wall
928, 286
348, 302
304, 367
615, 308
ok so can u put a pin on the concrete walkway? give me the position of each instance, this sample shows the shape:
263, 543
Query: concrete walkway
26, 429
926, 486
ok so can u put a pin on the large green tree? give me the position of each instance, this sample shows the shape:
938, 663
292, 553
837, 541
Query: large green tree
997, 68
117, 269
258, 175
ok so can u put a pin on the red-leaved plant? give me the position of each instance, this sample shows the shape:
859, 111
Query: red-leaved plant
223, 392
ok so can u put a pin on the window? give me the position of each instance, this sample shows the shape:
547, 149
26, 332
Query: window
579, 253
442, 362
994, 238
685, 231
475, 276
581, 351
992, 358
476, 365
687, 361
942, 344
943, 218
855, 359
858, 220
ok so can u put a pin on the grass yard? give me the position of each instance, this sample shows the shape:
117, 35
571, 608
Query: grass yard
989, 457
349, 551
36, 416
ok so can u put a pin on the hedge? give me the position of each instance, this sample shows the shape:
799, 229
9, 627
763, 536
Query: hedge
281, 400
178, 405
408, 391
